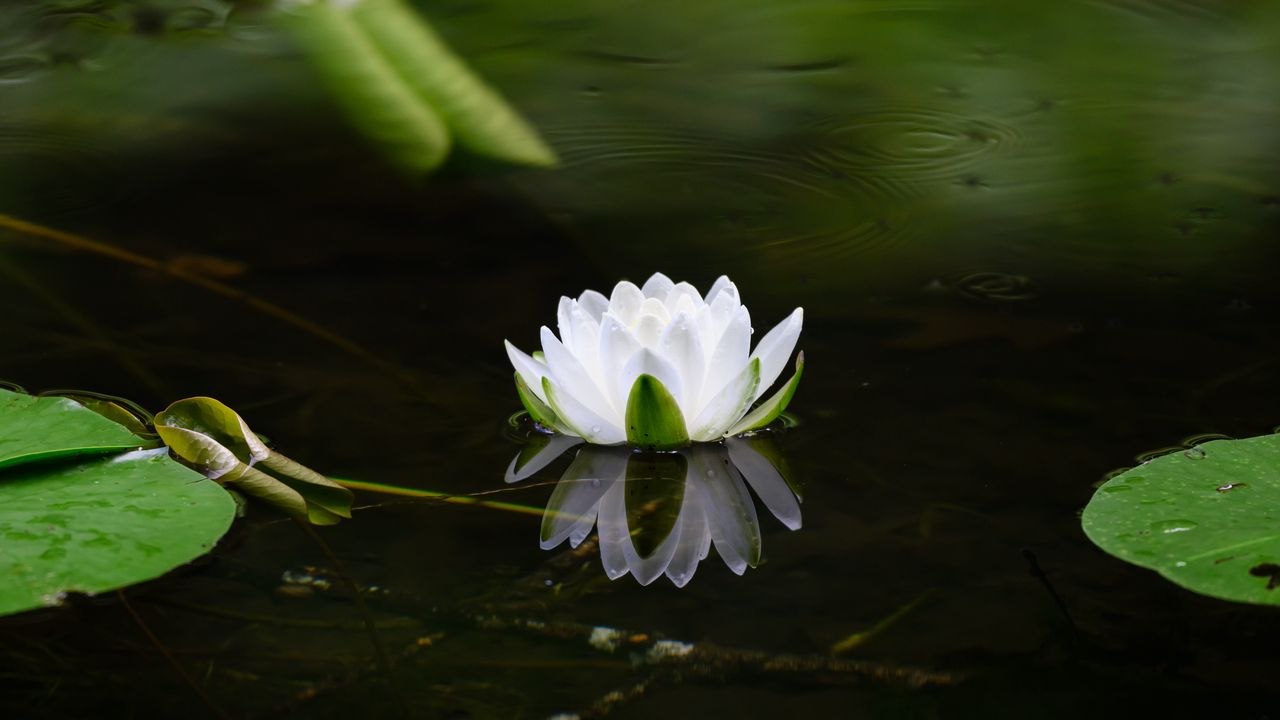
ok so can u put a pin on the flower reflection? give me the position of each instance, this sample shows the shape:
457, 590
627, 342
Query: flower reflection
660, 513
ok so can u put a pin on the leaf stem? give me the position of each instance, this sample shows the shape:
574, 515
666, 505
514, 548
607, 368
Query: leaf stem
168, 656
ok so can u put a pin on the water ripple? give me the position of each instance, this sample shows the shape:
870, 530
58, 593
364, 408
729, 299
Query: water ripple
803, 206
916, 144
52, 170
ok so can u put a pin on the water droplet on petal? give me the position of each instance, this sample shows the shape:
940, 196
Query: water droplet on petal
595, 429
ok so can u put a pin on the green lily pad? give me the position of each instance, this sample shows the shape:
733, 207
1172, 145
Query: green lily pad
44, 428
98, 524
1206, 518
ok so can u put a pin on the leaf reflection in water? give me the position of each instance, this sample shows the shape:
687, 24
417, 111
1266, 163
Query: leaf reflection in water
660, 513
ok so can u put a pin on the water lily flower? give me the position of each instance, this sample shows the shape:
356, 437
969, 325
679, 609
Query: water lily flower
658, 366
660, 514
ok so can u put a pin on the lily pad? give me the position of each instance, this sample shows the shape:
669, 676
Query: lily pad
1206, 518
99, 524
44, 428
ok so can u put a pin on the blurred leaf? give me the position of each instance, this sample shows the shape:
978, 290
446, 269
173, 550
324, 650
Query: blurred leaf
1206, 518
375, 97
478, 117
97, 524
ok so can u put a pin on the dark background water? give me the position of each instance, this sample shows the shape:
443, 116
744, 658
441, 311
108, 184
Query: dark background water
1032, 241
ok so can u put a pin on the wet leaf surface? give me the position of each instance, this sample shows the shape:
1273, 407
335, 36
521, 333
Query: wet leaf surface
100, 524
1204, 517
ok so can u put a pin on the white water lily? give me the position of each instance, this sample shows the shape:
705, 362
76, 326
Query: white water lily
658, 366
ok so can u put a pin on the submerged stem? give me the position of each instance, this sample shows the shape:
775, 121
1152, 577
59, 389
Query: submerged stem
96, 247
168, 656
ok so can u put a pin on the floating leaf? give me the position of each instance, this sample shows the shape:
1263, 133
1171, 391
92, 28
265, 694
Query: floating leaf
654, 420
213, 439
1207, 518
97, 524
44, 428
209, 435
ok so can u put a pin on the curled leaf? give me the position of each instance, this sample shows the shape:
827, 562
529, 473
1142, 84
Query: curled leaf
213, 439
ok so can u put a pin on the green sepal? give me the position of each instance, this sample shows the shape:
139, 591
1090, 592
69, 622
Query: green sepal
769, 410
537, 409
654, 419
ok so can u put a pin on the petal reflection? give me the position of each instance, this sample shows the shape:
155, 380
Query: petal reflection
661, 513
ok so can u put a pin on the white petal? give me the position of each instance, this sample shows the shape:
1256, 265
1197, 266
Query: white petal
647, 569
682, 292
562, 321
570, 375
611, 524
571, 511
654, 307
694, 537
682, 347
774, 350
625, 302
718, 315
594, 303
730, 355
719, 285
649, 330
617, 346
764, 478
647, 362
586, 341
580, 419
731, 516
531, 371
657, 286
726, 408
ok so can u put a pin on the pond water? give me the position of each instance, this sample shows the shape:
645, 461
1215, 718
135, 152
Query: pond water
1033, 242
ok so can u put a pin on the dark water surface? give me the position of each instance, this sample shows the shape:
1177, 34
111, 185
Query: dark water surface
1033, 241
